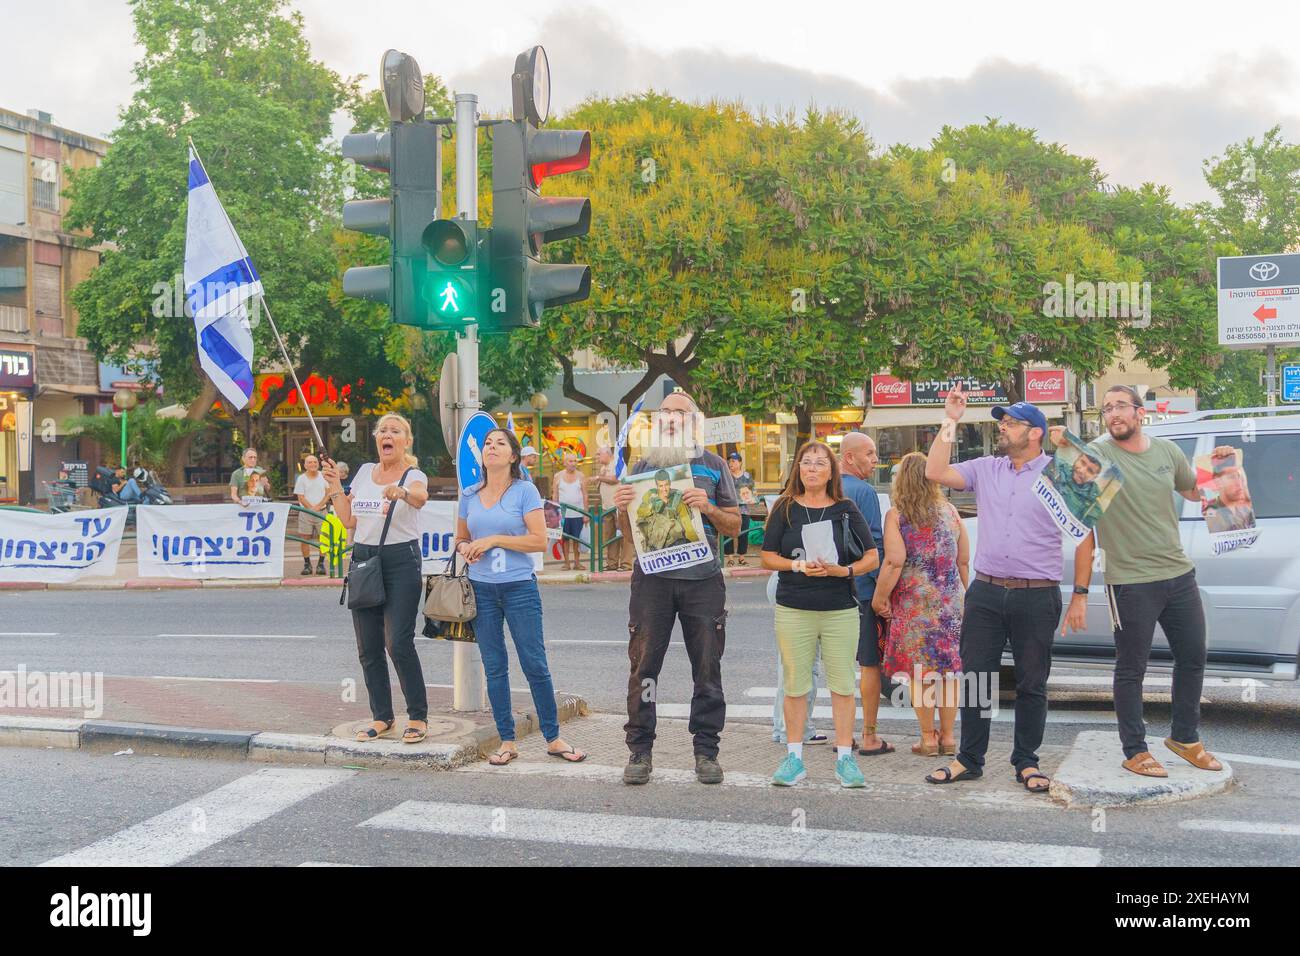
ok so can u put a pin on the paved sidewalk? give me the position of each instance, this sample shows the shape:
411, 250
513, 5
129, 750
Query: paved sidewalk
260, 719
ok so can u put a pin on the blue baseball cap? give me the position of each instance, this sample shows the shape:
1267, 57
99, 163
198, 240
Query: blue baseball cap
1023, 412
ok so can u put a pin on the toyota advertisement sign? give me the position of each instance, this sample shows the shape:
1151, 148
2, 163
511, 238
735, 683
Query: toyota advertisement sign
1259, 300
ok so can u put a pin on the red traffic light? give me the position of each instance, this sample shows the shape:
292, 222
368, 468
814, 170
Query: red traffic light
558, 151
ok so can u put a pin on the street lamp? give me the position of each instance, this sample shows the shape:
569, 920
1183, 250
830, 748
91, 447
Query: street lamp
539, 403
125, 400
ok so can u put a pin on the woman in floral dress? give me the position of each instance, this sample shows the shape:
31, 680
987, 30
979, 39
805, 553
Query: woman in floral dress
920, 592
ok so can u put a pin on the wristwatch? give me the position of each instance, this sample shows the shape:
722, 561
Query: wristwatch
1079, 590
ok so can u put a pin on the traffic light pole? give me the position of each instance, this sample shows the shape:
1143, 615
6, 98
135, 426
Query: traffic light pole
468, 689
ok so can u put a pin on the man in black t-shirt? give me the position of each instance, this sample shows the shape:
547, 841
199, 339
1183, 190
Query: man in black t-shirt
694, 595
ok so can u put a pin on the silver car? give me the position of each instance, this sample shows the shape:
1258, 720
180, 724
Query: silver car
1251, 595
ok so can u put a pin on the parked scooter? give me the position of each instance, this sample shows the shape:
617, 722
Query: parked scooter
151, 490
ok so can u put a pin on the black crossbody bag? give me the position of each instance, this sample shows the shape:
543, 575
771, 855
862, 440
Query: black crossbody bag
364, 585
851, 545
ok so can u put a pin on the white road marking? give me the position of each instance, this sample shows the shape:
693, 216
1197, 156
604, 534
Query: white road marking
221, 680
178, 834
1261, 761
248, 637
615, 643
1004, 715
1242, 826
29, 633
326, 863
604, 773
721, 838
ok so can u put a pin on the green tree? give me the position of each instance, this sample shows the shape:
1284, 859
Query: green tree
239, 79
149, 439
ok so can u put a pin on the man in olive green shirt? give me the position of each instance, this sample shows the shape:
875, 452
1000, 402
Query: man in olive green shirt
1149, 579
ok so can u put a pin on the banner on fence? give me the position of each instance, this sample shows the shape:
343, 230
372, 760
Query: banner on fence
437, 532
211, 541
60, 548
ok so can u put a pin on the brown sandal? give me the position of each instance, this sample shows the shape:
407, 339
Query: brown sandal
413, 735
1145, 765
372, 732
1194, 754
922, 749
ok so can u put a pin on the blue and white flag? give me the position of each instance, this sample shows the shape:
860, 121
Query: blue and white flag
219, 281
622, 437
510, 422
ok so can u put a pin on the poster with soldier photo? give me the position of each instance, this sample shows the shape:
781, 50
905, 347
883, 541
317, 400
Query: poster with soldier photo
1225, 500
1076, 487
667, 532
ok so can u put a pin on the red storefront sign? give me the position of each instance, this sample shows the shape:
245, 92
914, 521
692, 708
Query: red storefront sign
887, 390
1044, 385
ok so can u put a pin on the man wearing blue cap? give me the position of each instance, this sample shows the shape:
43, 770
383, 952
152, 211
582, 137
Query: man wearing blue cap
1016, 594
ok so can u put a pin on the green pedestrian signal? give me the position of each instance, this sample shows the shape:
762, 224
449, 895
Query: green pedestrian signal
451, 280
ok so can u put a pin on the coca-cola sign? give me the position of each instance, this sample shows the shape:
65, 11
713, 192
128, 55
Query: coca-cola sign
1044, 385
887, 390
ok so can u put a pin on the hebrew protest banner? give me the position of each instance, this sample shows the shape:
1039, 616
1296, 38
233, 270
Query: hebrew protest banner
60, 548
211, 541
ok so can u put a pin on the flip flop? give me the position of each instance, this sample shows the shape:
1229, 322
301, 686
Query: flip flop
1144, 765
579, 756
502, 757
885, 748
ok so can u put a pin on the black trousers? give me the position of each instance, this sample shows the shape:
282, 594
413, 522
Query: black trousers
740, 544
1175, 604
994, 616
391, 626
700, 606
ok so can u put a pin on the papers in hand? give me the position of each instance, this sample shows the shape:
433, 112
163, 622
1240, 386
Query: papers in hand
819, 542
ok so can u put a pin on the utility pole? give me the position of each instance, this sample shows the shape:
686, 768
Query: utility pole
469, 692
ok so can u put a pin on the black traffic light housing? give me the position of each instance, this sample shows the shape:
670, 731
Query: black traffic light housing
411, 154
456, 252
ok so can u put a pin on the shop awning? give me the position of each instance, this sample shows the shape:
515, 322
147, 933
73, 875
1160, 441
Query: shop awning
878, 417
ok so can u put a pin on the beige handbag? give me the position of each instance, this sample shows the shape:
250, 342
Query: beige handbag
449, 596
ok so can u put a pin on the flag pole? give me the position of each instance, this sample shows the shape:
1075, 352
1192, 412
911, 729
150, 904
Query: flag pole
311, 420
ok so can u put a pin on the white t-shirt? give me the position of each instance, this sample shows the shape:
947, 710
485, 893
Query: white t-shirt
313, 489
368, 508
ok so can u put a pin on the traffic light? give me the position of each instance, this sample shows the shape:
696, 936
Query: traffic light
410, 152
523, 156
454, 250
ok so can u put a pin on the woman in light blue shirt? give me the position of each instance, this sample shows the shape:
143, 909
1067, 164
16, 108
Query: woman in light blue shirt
501, 525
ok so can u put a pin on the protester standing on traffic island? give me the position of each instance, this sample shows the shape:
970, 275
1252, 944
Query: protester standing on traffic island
815, 603
500, 526
1016, 595
695, 595
1149, 579
395, 485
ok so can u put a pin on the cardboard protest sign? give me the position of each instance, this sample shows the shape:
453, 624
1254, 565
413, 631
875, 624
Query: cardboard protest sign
1225, 501
1076, 487
666, 531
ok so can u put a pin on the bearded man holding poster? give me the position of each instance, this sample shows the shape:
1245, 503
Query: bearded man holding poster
692, 593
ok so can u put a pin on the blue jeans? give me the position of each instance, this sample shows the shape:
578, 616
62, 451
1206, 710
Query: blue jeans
778, 706
518, 604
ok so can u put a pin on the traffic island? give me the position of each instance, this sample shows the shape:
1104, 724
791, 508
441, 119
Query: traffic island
1092, 776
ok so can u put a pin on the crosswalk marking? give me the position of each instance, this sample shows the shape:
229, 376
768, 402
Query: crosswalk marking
1243, 826
1261, 761
605, 773
247, 637
721, 838
178, 834
1004, 714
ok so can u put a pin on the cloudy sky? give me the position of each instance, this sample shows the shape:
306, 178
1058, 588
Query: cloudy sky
1149, 90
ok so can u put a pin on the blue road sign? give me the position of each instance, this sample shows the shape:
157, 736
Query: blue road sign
1291, 383
469, 450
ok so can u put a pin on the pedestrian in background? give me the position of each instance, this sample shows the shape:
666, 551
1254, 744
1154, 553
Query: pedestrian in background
311, 492
570, 489
606, 482
745, 492
391, 485
920, 593
239, 478
858, 461
500, 526
816, 608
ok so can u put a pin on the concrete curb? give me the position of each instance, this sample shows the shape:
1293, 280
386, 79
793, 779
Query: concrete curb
1091, 776
102, 736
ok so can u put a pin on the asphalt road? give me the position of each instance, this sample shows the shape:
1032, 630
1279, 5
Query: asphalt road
54, 803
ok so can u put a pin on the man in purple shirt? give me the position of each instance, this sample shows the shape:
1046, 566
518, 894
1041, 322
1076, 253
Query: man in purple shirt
1016, 594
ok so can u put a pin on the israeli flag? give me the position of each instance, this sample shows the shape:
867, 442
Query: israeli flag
219, 281
622, 437
510, 427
